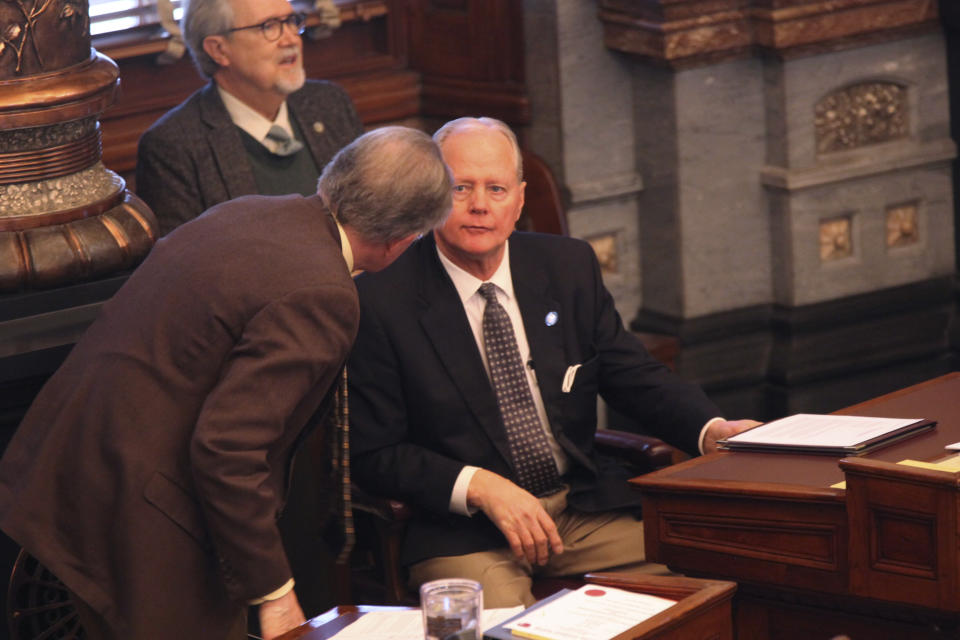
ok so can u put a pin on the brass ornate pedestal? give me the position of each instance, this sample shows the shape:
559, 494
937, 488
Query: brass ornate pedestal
64, 217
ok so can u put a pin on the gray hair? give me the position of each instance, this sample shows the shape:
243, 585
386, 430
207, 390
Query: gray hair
202, 18
462, 124
388, 184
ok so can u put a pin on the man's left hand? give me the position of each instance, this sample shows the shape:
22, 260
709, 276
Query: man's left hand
721, 429
280, 615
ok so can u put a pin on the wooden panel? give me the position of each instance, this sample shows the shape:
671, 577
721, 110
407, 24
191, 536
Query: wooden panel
768, 524
760, 618
749, 538
796, 543
903, 524
903, 542
470, 55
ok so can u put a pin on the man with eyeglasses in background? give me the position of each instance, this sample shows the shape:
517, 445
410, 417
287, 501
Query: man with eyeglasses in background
258, 127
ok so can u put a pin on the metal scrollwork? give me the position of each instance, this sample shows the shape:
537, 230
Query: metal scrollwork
860, 115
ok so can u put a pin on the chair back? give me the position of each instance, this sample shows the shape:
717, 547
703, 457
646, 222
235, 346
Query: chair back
543, 207
39, 606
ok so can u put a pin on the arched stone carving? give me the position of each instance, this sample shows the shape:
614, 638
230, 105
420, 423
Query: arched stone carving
861, 114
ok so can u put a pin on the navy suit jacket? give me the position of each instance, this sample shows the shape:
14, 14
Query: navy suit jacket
422, 405
193, 157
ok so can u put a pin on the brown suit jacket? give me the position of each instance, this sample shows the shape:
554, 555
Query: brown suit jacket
150, 471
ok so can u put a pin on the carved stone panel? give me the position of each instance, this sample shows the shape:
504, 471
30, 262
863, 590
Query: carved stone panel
861, 114
902, 225
836, 238
605, 246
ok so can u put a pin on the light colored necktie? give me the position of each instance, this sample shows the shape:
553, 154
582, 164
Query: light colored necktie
532, 458
284, 144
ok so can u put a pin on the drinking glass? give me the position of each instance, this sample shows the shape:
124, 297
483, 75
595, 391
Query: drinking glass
451, 609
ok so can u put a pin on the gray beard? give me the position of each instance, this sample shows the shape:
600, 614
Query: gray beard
287, 86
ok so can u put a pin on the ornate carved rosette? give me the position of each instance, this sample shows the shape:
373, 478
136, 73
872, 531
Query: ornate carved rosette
64, 217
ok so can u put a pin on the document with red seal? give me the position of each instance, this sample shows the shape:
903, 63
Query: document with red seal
592, 612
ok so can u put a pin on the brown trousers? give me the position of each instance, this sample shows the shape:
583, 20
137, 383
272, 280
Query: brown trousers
96, 627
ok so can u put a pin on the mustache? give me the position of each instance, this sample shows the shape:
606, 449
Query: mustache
288, 52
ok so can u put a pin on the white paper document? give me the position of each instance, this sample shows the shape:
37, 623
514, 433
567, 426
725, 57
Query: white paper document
591, 612
810, 430
407, 624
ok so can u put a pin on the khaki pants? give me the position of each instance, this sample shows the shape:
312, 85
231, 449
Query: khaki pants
591, 542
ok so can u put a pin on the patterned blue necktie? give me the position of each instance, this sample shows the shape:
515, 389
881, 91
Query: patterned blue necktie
285, 145
532, 458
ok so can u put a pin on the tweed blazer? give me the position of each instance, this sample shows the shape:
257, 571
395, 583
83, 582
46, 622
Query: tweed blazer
193, 157
422, 405
151, 469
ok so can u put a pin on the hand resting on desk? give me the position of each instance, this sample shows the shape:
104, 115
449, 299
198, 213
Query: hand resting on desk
280, 615
721, 429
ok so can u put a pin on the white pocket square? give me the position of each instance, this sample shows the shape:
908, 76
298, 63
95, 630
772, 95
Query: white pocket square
569, 377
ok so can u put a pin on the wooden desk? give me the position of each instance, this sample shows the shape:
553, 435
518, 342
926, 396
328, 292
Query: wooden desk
703, 610
327, 624
877, 560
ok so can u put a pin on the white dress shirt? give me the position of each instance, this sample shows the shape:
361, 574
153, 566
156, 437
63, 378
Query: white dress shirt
248, 119
467, 287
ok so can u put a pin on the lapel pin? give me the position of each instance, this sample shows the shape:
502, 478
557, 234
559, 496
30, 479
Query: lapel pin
551, 318
318, 127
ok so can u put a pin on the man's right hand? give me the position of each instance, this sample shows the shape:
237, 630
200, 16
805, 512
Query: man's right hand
528, 529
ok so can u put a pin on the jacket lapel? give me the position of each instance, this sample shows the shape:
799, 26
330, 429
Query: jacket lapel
226, 145
543, 319
445, 323
319, 143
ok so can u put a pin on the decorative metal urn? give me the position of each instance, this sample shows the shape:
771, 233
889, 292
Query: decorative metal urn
64, 217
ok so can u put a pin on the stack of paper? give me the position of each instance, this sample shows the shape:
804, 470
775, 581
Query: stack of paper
407, 624
829, 434
591, 612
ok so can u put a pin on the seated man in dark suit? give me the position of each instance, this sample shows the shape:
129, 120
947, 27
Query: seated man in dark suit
474, 384
258, 127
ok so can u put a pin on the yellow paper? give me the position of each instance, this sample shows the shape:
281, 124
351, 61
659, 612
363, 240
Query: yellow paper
950, 464
527, 634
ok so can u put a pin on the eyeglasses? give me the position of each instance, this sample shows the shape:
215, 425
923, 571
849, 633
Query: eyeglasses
272, 28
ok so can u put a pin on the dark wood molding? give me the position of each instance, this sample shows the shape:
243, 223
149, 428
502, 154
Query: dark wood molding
861, 332
685, 33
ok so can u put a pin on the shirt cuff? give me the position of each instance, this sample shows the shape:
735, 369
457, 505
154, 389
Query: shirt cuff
275, 595
703, 433
458, 497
